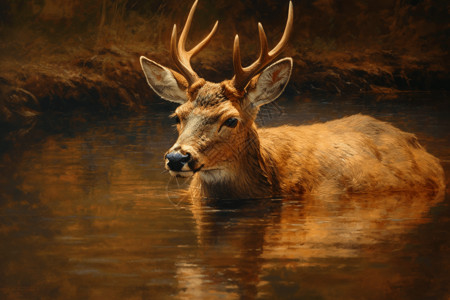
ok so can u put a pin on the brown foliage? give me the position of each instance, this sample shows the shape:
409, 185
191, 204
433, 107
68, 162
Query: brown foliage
85, 53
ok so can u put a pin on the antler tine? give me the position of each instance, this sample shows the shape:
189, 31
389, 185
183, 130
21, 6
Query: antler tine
181, 57
244, 75
238, 71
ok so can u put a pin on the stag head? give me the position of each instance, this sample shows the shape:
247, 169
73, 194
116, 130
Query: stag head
215, 121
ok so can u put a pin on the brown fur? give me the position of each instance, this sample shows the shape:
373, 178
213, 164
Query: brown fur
352, 154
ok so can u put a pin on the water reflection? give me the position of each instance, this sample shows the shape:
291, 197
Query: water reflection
90, 215
250, 249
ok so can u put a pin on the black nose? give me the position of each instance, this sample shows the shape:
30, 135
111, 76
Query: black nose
177, 160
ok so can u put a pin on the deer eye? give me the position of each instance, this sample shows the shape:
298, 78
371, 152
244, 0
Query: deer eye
177, 119
231, 122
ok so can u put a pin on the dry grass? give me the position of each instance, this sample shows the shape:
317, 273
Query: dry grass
64, 55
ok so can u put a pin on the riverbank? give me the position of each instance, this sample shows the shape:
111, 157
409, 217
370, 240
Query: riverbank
111, 79
85, 56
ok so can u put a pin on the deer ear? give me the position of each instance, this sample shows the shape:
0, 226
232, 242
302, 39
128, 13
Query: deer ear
167, 83
270, 83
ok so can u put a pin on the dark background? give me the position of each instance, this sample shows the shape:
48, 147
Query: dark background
58, 55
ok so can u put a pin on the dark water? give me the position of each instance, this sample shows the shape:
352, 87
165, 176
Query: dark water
88, 213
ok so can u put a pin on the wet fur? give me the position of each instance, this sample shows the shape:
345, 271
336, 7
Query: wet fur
352, 154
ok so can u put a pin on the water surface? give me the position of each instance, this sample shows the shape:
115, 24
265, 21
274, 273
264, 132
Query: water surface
89, 213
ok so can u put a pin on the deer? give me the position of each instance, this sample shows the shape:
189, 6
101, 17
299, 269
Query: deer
227, 156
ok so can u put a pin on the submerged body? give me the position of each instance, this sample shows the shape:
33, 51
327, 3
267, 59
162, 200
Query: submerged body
228, 157
352, 154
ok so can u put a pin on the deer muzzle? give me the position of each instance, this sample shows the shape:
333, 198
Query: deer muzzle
181, 163
176, 160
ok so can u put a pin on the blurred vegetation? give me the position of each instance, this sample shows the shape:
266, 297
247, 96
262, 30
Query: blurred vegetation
61, 55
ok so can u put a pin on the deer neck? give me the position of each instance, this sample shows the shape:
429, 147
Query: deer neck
249, 176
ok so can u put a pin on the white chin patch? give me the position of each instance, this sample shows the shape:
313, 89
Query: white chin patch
181, 174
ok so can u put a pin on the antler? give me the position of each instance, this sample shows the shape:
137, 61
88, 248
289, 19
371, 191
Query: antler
244, 75
179, 54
